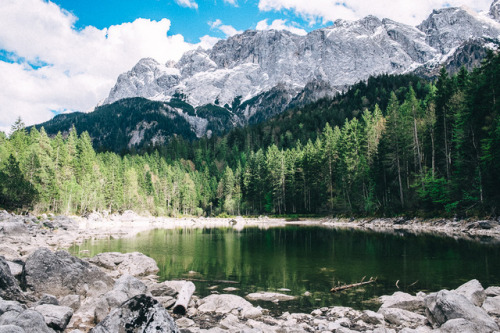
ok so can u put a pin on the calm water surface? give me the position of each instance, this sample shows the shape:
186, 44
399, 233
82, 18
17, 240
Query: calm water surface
311, 259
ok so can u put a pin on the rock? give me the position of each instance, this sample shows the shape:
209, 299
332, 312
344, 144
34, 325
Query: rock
9, 253
30, 321
316, 312
72, 301
371, 317
252, 313
268, 296
461, 325
230, 289
56, 317
184, 322
420, 329
139, 314
492, 306
446, 305
48, 299
402, 317
13, 228
473, 291
135, 263
62, 274
403, 301
9, 287
166, 301
224, 303
492, 291
125, 288
161, 289
6, 306
11, 329
16, 269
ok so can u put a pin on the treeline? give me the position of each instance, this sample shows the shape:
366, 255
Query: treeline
426, 149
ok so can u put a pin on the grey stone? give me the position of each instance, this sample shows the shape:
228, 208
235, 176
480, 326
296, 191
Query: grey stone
135, 264
371, 317
402, 317
9, 287
30, 321
492, 291
16, 269
11, 329
59, 273
492, 306
56, 317
473, 291
9, 253
6, 306
222, 304
269, 296
403, 301
72, 301
139, 314
461, 325
446, 305
48, 299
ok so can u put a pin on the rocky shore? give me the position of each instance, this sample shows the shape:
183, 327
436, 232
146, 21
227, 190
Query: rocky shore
45, 289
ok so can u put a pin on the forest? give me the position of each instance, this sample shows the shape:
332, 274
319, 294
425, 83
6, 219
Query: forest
390, 146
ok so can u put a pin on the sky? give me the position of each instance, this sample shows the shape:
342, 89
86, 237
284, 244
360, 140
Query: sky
65, 55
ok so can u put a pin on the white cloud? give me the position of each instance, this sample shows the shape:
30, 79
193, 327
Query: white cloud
187, 3
228, 30
406, 11
231, 2
82, 65
280, 25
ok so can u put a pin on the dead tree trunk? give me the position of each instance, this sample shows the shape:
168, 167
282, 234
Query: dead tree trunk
185, 294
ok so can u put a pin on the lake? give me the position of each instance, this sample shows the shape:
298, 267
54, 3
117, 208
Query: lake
309, 258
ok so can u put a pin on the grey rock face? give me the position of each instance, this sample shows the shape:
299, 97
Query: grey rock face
446, 305
403, 301
139, 314
495, 10
59, 273
461, 325
492, 306
56, 317
9, 288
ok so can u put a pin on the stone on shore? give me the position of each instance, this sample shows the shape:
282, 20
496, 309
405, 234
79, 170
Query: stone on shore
492, 291
139, 314
11, 329
446, 305
9, 287
403, 301
30, 321
222, 304
473, 291
402, 317
461, 325
60, 274
56, 317
492, 306
117, 264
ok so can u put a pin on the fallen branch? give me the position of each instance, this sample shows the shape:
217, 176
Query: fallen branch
185, 294
349, 286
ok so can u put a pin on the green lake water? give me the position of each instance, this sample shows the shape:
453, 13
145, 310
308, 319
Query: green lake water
303, 258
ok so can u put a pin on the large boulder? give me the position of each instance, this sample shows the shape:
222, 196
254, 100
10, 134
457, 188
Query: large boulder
9, 287
403, 301
60, 274
461, 325
492, 291
30, 321
56, 317
125, 288
222, 304
446, 305
11, 329
473, 291
139, 314
135, 263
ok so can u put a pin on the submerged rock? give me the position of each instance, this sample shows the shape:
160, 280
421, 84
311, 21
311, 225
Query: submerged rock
268, 296
139, 314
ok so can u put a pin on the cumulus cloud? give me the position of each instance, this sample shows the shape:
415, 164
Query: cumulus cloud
187, 3
406, 11
231, 2
74, 69
280, 25
228, 30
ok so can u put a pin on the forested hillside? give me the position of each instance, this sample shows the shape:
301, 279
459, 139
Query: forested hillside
392, 145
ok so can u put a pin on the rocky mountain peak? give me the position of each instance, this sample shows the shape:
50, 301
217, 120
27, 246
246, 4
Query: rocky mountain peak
495, 10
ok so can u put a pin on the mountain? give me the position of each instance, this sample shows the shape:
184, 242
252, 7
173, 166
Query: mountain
255, 75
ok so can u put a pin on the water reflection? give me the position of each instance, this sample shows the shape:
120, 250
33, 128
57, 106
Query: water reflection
310, 259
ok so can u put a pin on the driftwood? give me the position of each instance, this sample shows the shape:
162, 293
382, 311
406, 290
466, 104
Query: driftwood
349, 286
183, 298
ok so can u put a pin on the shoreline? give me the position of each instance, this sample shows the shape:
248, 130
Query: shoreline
25, 237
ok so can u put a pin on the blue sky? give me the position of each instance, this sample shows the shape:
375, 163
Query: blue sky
192, 23
65, 55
